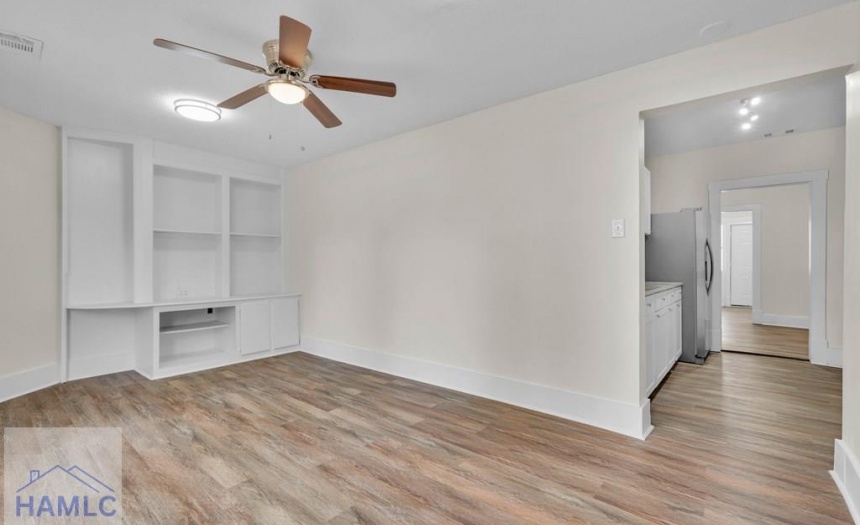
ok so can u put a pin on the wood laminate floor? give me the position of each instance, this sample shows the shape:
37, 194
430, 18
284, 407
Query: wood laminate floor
298, 439
741, 335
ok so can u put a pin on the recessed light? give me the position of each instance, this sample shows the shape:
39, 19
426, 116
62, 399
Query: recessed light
197, 110
753, 117
746, 126
755, 101
744, 112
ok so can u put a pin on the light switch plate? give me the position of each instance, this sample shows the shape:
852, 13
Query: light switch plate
618, 227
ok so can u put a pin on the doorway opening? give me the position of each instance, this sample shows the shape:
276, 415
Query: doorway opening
795, 316
706, 155
779, 328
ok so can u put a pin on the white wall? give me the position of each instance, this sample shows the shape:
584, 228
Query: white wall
484, 242
29, 233
851, 353
681, 180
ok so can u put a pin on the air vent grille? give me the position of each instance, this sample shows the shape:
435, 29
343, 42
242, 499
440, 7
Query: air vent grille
21, 45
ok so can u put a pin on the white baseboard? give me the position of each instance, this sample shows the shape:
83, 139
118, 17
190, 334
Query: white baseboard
100, 365
628, 419
825, 355
24, 382
757, 316
787, 321
846, 474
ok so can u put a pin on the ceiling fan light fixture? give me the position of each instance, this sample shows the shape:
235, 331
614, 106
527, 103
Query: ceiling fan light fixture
197, 110
287, 91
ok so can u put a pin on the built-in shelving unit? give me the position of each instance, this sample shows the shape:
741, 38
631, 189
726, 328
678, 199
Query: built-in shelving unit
173, 258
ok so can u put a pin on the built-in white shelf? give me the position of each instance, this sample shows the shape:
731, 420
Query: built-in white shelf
265, 235
193, 327
184, 232
255, 207
189, 302
186, 201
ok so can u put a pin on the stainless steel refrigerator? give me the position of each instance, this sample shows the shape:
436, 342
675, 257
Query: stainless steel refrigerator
678, 251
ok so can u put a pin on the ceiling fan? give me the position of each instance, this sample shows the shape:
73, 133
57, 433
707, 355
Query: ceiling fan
287, 61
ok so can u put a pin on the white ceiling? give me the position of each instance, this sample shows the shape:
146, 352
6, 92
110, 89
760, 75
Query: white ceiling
795, 107
99, 68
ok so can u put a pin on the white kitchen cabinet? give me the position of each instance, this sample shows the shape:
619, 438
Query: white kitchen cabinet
663, 318
255, 327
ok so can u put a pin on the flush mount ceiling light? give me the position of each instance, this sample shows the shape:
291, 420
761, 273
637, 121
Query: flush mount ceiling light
746, 126
755, 101
744, 111
286, 91
197, 110
753, 117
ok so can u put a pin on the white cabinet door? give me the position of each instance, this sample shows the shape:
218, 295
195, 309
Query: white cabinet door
679, 332
255, 326
650, 350
645, 176
285, 322
666, 342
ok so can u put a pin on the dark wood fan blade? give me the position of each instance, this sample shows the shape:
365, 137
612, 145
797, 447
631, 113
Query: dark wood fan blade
293, 43
356, 85
188, 50
244, 97
321, 111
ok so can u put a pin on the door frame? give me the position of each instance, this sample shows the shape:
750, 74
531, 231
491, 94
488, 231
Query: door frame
757, 312
819, 350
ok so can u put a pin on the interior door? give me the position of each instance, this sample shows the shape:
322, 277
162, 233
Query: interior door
741, 265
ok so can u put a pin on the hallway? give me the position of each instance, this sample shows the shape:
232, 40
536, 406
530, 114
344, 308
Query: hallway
741, 335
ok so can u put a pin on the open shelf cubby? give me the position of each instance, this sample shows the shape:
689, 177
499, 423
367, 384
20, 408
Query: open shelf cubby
191, 336
100, 221
255, 208
186, 201
255, 265
186, 266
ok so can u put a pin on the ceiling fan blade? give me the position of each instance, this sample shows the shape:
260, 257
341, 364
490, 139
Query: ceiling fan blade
293, 43
321, 111
244, 97
188, 50
356, 85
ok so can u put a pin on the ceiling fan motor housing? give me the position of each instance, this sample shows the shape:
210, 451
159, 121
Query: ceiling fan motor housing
276, 67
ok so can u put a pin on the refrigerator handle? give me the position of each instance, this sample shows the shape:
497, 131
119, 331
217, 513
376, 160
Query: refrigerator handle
709, 275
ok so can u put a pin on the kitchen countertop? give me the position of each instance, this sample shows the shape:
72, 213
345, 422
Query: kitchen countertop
653, 287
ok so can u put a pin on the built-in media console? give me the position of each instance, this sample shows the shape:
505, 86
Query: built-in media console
172, 259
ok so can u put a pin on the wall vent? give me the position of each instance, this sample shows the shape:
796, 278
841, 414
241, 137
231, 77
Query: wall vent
789, 131
20, 44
